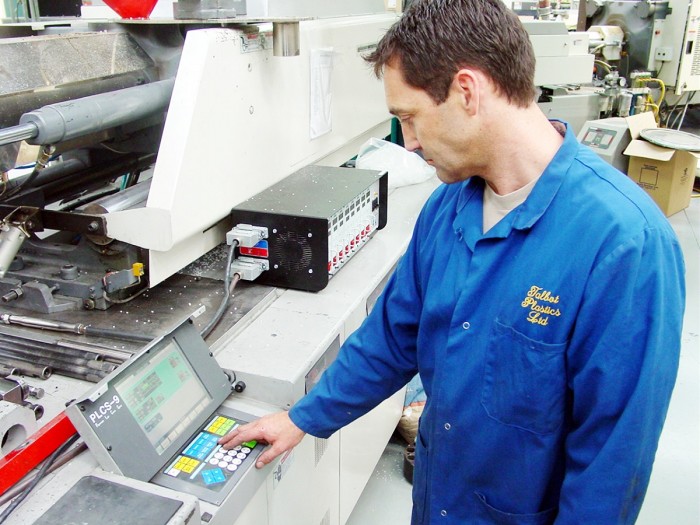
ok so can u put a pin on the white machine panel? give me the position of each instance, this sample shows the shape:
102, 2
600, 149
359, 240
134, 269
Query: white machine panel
245, 98
689, 67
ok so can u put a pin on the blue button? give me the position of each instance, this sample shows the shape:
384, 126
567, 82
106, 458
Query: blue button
215, 475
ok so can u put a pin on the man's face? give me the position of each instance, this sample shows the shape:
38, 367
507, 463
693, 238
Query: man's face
439, 131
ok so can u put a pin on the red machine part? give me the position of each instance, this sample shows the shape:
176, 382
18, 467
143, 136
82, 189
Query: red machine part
40, 445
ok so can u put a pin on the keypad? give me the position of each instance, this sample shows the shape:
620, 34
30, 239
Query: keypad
203, 461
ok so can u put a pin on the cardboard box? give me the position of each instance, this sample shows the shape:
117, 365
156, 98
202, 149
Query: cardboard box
667, 175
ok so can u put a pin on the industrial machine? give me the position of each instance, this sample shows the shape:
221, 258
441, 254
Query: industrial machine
608, 138
645, 52
155, 228
124, 153
128, 149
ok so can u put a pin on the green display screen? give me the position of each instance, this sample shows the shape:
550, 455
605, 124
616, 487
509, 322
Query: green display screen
163, 395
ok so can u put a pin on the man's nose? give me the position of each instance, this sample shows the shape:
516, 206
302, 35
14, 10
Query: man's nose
410, 141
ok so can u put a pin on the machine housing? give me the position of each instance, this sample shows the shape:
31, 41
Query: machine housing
317, 218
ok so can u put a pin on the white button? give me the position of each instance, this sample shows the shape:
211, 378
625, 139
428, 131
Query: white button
466, 325
237, 448
245, 450
236, 461
448, 426
231, 452
241, 455
443, 513
232, 467
214, 461
218, 455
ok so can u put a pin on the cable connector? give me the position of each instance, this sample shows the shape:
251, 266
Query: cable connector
249, 268
246, 235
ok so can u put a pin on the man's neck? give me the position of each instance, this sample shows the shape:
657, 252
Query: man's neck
525, 143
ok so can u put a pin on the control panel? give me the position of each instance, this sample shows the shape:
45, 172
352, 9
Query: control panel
205, 469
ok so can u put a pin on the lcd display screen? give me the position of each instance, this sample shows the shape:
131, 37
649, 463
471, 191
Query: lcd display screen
163, 394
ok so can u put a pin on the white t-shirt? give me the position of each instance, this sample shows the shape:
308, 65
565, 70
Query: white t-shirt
498, 206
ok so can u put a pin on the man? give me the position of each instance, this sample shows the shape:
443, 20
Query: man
541, 297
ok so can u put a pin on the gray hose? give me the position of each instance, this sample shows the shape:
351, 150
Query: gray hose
228, 288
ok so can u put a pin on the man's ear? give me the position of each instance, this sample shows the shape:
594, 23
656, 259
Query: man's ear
466, 83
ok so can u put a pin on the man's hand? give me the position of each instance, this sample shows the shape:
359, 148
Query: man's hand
277, 430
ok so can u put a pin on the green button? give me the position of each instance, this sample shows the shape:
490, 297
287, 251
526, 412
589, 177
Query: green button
250, 444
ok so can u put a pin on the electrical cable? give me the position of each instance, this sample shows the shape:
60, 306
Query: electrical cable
685, 109
133, 296
41, 162
62, 460
42, 473
27, 166
229, 284
672, 110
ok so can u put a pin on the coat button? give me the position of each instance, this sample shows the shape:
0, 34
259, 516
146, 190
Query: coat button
448, 426
466, 325
443, 513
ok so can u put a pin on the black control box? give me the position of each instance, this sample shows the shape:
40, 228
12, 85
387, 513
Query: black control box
317, 218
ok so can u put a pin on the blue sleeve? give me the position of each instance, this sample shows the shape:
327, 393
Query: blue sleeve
622, 366
375, 361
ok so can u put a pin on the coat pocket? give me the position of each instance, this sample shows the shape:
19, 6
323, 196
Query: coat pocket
524, 381
489, 514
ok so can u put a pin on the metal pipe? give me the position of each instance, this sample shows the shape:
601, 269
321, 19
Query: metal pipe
117, 334
46, 343
60, 367
91, 376
27, 368
31, 345
7, 371
107, 353
34, 322
54, 360
123, 200
18, 133
76, 328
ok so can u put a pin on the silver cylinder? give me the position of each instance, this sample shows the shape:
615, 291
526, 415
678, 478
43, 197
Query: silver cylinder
129, 198
11, 239
133, 197
79, 117
625, 104
285, 39
18, 133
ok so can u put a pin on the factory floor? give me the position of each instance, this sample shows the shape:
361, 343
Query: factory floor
672, 496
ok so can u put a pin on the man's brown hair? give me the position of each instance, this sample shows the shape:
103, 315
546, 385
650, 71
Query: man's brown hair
436, 38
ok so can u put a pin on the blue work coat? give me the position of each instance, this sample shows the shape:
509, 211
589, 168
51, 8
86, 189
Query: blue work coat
548, 348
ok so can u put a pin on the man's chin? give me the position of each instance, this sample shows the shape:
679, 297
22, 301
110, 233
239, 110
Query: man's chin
449, 178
